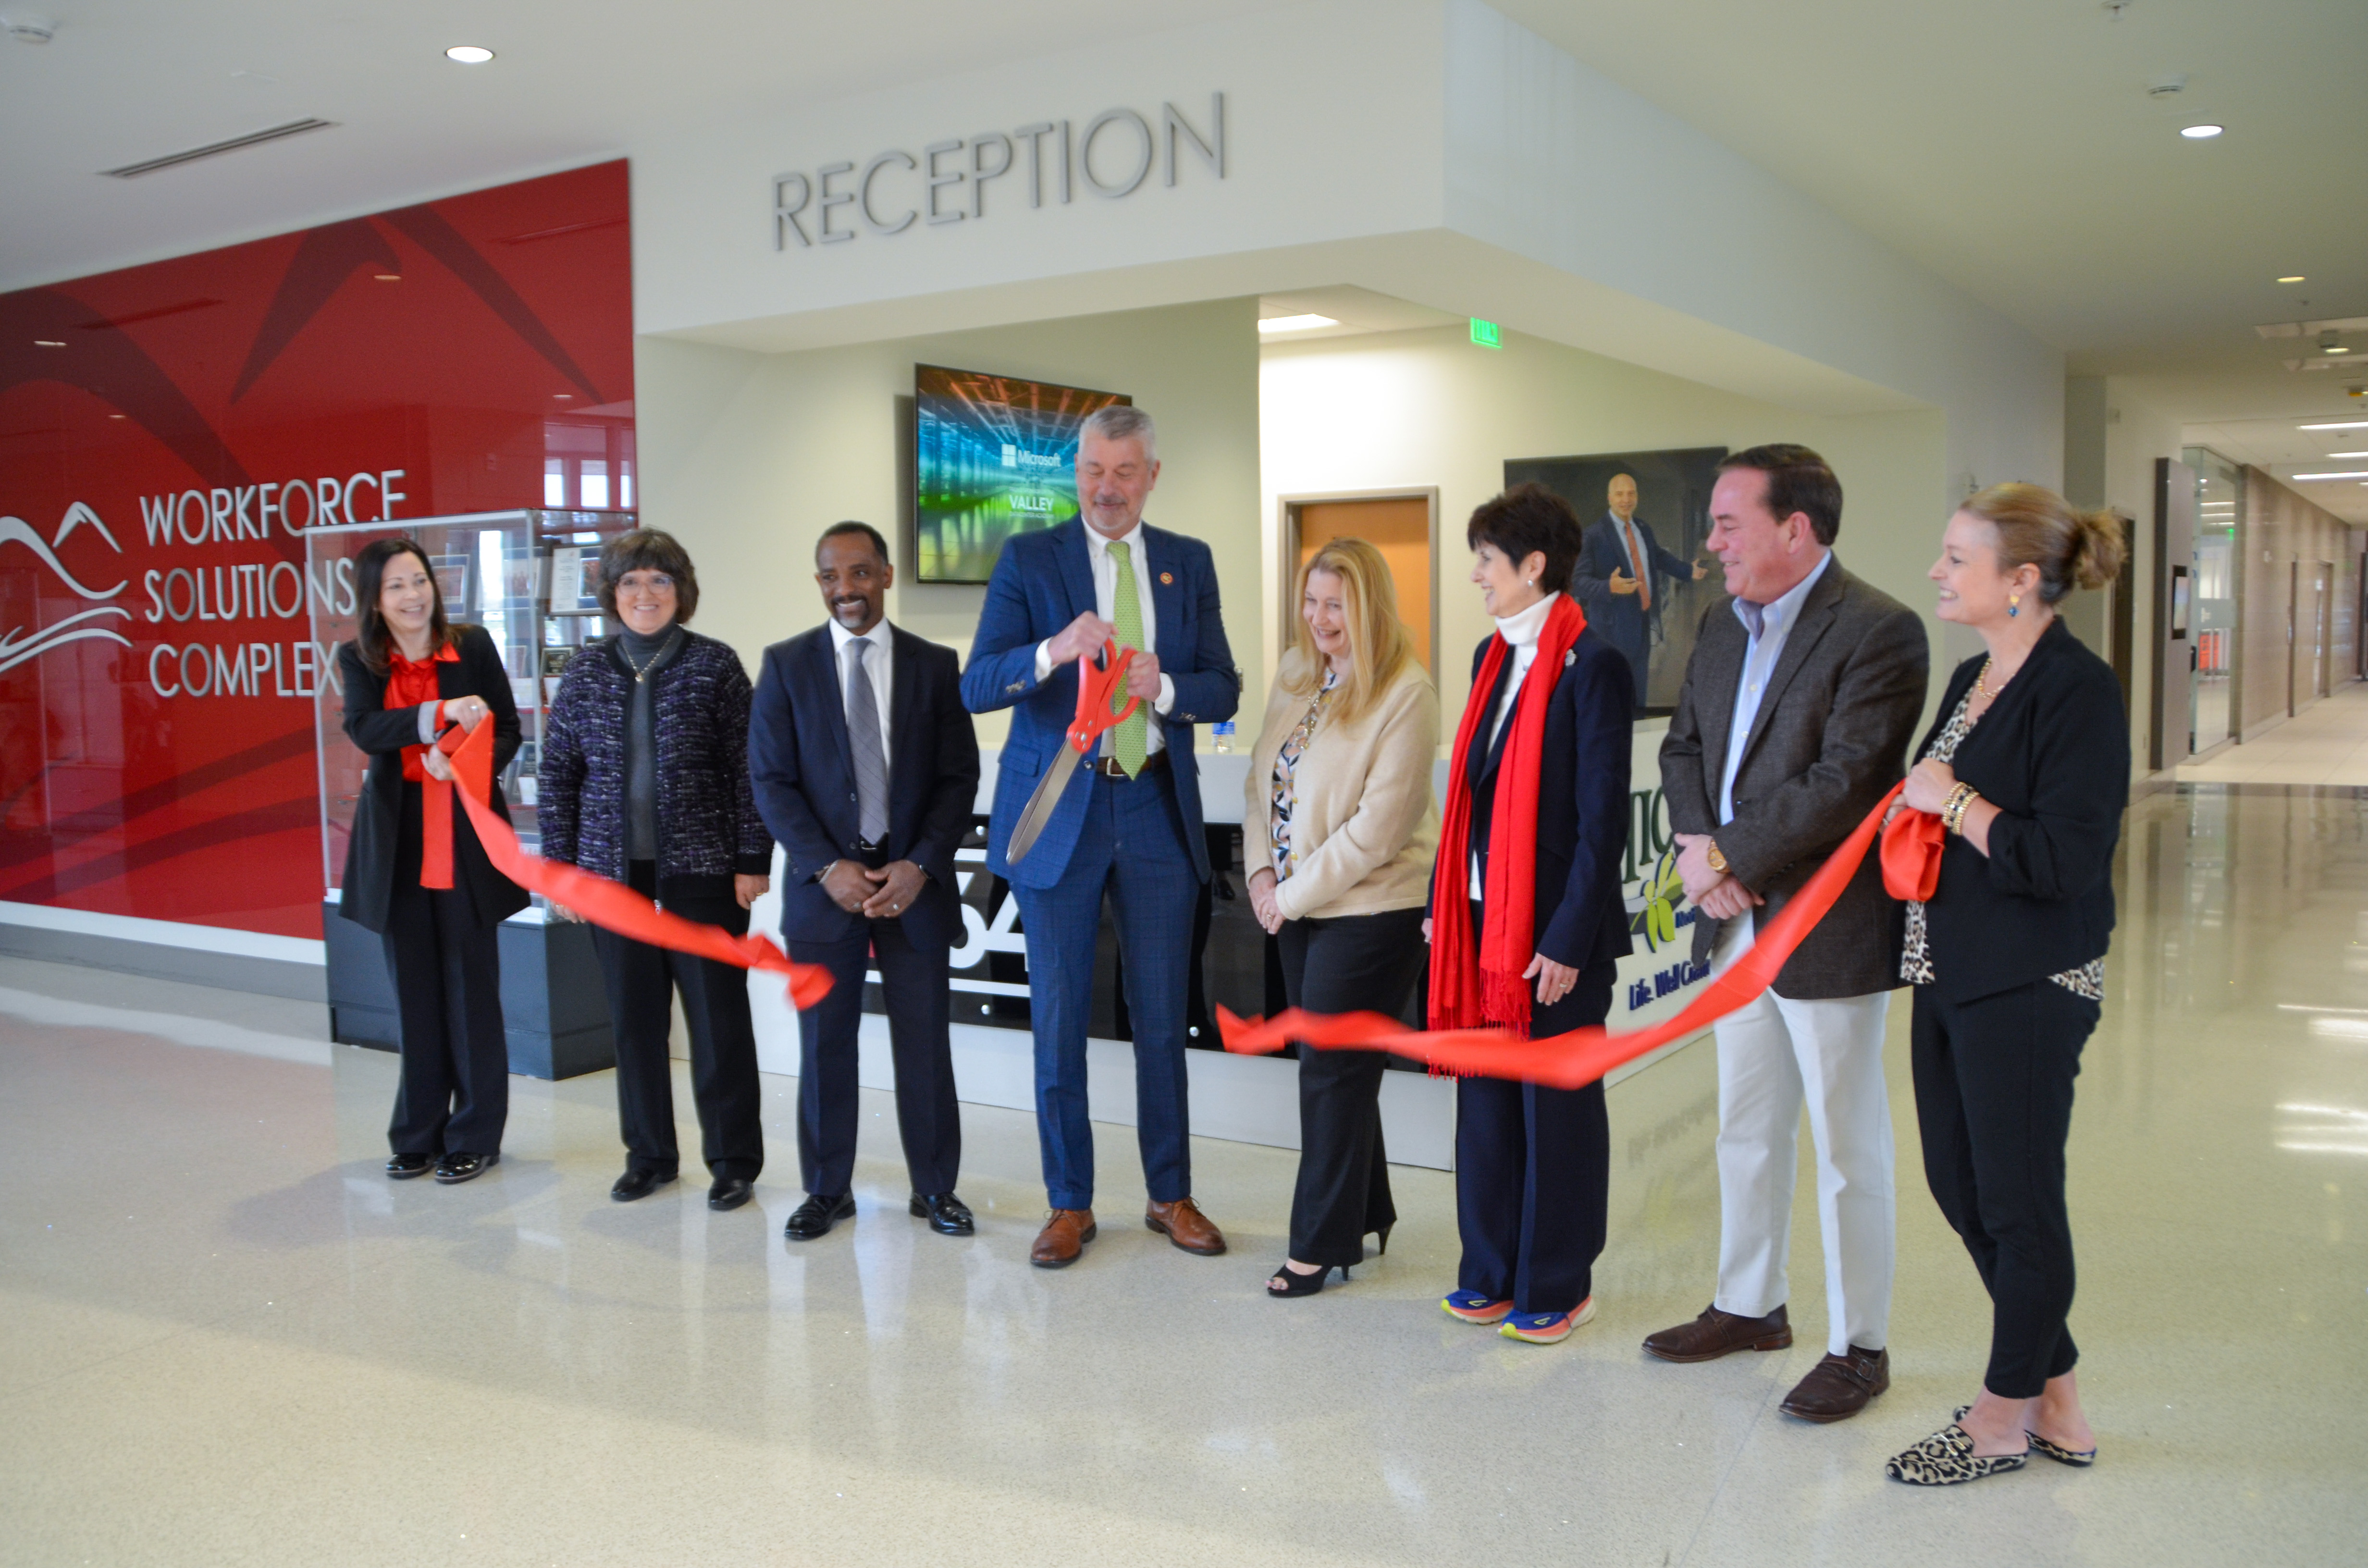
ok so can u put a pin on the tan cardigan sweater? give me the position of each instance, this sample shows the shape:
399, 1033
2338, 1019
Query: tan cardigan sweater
1364, 827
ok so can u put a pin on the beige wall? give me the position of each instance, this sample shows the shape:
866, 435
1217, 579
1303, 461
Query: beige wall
748, 457
1428, 408
2283, 531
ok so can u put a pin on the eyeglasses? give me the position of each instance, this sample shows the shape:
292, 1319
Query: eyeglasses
648, 582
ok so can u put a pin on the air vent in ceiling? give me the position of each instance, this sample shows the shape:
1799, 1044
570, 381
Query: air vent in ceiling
191, 155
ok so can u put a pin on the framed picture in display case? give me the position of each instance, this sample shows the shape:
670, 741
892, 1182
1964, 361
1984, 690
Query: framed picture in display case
452, 583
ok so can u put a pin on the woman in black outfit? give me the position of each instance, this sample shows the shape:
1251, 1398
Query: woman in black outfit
2028, 770
1529, 863
407, 676
645, 781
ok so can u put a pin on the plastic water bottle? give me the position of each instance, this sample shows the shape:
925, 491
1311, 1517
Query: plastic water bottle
1224, 732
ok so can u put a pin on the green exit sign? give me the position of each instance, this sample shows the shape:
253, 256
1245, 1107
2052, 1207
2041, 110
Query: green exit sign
1487, 333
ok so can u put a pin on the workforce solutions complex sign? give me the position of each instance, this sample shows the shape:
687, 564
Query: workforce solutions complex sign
168, 435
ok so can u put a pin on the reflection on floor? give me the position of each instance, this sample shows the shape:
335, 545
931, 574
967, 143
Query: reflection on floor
230, 1339
2325, 744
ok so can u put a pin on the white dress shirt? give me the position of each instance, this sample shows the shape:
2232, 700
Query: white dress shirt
1767, 625
1520, 631
1105, 605
878, 664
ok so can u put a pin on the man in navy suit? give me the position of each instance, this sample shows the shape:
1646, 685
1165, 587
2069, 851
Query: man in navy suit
1128, 826
1615, 581
866, 769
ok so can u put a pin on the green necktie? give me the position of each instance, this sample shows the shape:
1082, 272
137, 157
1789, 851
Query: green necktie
1129, 741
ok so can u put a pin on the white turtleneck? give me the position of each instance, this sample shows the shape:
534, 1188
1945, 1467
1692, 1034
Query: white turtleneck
1520, 631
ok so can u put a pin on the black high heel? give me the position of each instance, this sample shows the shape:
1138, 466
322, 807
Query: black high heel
1297, 1284
1384, 1234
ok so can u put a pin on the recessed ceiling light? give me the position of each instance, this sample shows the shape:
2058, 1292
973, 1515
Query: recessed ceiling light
564, 397
2347, 454
119, 416
2201, 132
2346, 474
388, 277
1295, 323
468, 54
46, 343
2297, 278
2339, 424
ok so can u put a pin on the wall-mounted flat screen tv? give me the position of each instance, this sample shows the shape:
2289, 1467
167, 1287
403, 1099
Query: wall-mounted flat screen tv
993, 456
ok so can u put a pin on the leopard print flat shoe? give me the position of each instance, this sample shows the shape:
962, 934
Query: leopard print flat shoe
1947, 1458
2079, 1458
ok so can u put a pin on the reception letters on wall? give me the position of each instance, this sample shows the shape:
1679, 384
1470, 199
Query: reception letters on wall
168, 432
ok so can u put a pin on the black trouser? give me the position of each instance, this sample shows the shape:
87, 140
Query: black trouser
1994, 1098
454, 1093
1533, 1170
1358, 962
914, 982
642, 981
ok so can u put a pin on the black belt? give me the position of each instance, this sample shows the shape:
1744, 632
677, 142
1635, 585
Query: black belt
1108, 767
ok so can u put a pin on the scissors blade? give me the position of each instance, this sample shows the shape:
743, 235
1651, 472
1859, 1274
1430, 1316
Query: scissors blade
1040, 804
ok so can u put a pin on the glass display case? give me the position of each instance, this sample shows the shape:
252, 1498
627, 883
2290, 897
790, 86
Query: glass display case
530, 578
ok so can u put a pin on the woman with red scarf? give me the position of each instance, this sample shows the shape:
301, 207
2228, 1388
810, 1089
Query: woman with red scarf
1527, 919
415, 872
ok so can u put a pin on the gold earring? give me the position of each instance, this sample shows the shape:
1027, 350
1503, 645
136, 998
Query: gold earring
2014, 604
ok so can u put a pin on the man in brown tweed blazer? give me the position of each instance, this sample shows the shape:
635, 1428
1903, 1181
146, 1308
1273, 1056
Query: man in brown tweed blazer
1797, 710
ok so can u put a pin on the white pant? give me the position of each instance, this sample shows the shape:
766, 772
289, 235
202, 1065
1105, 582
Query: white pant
1773, 1056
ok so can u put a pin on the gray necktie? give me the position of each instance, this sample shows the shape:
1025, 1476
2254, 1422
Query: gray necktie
863, 735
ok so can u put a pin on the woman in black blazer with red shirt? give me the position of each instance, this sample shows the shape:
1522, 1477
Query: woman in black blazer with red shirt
2028, 769
407, 676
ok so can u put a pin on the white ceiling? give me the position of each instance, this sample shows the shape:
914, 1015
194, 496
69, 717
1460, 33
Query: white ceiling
2010, 145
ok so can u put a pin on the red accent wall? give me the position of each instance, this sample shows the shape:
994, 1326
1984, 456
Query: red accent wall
166, 433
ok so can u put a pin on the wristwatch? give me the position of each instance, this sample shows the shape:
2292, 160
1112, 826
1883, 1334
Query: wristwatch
1717, 862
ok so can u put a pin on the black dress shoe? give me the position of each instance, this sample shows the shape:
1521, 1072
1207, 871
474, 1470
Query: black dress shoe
816, 1215
455, 1168
638, 1184
403, 1167
729, 1192
946, 1215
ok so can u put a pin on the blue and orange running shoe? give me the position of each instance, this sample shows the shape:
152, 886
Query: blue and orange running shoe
1473, 1307
1546, 1328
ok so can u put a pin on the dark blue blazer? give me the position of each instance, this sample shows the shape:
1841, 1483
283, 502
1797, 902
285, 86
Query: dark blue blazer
803, 770
1583, 810
1042, 582
1622, 617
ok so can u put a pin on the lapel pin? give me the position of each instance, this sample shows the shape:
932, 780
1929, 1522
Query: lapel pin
1569, 657
1168, 577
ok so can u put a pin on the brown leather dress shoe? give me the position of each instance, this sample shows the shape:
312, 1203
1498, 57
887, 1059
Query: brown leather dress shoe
1065, 1236
1717, 1333
1838, 1387
1183, 1224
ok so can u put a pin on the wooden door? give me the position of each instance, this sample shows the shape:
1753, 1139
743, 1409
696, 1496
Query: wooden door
1397, 526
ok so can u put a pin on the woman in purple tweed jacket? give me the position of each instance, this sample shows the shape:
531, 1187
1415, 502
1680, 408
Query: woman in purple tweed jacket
644, 780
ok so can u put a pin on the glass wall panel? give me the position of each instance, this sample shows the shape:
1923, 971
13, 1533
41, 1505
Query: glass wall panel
2212, 617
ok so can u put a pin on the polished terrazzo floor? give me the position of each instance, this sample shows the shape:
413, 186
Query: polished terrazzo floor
230, 1340
2326, 743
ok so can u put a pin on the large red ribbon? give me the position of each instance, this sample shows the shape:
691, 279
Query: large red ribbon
1578, 1058
611, 906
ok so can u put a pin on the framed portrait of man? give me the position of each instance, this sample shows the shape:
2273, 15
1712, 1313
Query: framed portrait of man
1644, 575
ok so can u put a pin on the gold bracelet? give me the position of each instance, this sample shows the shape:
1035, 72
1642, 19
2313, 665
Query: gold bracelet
1952, 809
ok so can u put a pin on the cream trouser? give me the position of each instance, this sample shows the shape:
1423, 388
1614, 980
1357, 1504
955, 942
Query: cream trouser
1775, 1056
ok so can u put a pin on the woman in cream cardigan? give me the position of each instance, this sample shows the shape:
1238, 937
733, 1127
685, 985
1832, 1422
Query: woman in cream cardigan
1341, 779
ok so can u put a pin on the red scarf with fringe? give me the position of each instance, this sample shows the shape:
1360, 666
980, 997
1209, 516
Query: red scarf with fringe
1476, 984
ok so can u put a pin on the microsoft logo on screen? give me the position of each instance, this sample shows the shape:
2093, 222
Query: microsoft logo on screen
1014, 458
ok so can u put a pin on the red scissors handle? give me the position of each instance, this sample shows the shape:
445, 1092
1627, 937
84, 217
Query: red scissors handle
1095, 689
